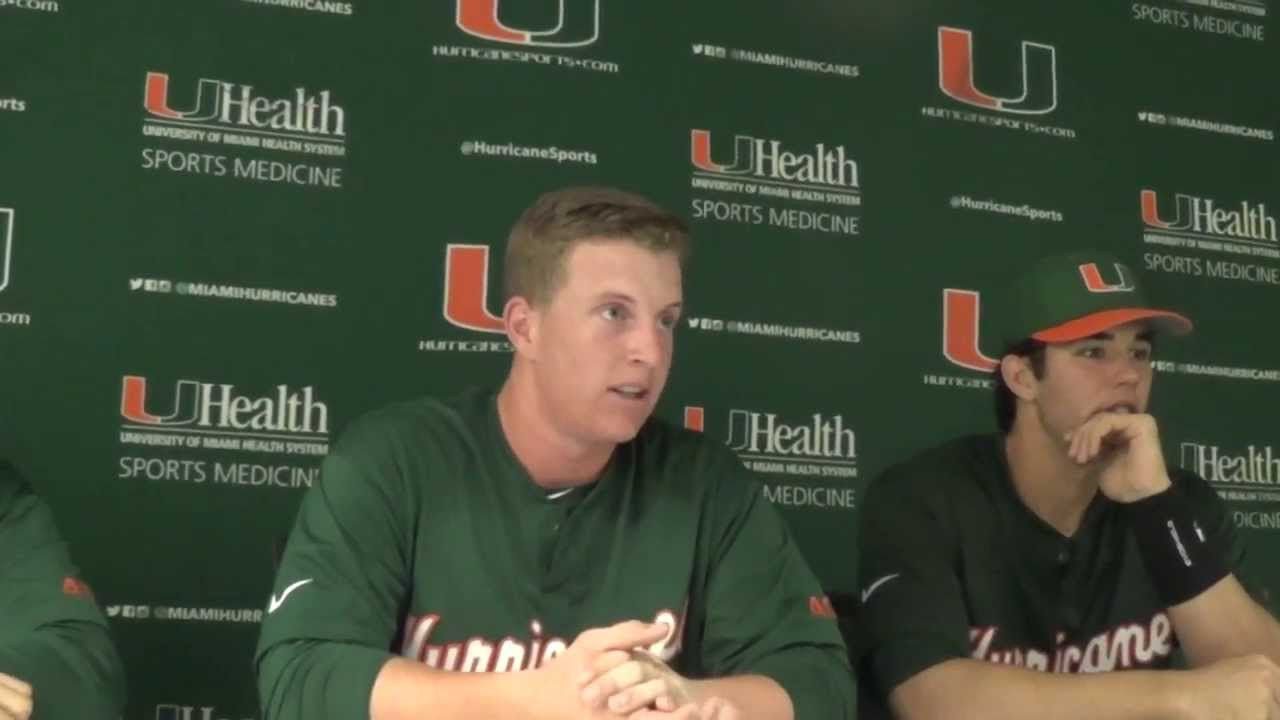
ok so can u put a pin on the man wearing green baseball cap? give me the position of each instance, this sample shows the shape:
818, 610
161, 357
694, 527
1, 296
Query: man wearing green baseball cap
1062, 547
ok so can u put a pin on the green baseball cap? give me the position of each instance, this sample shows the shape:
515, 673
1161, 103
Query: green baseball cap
1068, 297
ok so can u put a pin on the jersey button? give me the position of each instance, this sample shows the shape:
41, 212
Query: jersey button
1064, 557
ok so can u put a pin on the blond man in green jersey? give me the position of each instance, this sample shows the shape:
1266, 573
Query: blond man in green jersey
607, 563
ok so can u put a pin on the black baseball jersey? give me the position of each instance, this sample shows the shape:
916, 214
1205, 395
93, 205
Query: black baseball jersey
426, 538
954, 565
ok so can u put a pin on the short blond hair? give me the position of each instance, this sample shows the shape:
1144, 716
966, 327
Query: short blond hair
549, 228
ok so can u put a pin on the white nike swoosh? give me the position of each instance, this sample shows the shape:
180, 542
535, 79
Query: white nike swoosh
873, 586
276, 602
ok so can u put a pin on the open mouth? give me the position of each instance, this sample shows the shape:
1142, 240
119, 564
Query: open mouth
1121, 408
630, 392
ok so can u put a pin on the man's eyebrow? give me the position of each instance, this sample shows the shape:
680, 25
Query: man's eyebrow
614, 295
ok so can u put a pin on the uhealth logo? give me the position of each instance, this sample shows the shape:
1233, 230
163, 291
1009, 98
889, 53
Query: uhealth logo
466, 288
577, 23
818, 446
765, 159
1249, 467
238, 106
188, 712
6, 245
1203, 217
218, 409
955, 75
762, 435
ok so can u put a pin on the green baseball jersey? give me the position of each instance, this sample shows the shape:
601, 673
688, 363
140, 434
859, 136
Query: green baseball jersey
52, 634
954, 565
426, 538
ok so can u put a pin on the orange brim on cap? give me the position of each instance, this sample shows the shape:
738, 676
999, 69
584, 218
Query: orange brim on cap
1083, 327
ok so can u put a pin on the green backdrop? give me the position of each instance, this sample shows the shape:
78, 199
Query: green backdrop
231, 226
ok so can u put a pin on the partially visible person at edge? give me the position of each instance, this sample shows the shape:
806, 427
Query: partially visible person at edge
57, 661
1007, 576
612, 564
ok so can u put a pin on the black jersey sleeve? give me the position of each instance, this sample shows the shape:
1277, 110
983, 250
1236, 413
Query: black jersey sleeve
912, 614
1215, 518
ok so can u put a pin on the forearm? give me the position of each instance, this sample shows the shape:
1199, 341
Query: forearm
73, 669
977, 690
1224, 622
406, 690
758, 697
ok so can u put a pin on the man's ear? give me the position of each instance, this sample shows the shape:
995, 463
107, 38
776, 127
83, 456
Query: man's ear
1019, 376
520, 322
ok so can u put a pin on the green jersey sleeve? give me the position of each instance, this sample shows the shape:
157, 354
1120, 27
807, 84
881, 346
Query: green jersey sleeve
53, 635
765, 611
912, 613
341, 583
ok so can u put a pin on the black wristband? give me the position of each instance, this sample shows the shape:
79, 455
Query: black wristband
1182, 560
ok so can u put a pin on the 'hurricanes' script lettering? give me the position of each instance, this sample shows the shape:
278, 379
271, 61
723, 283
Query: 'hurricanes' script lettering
478, 654
1118, 648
